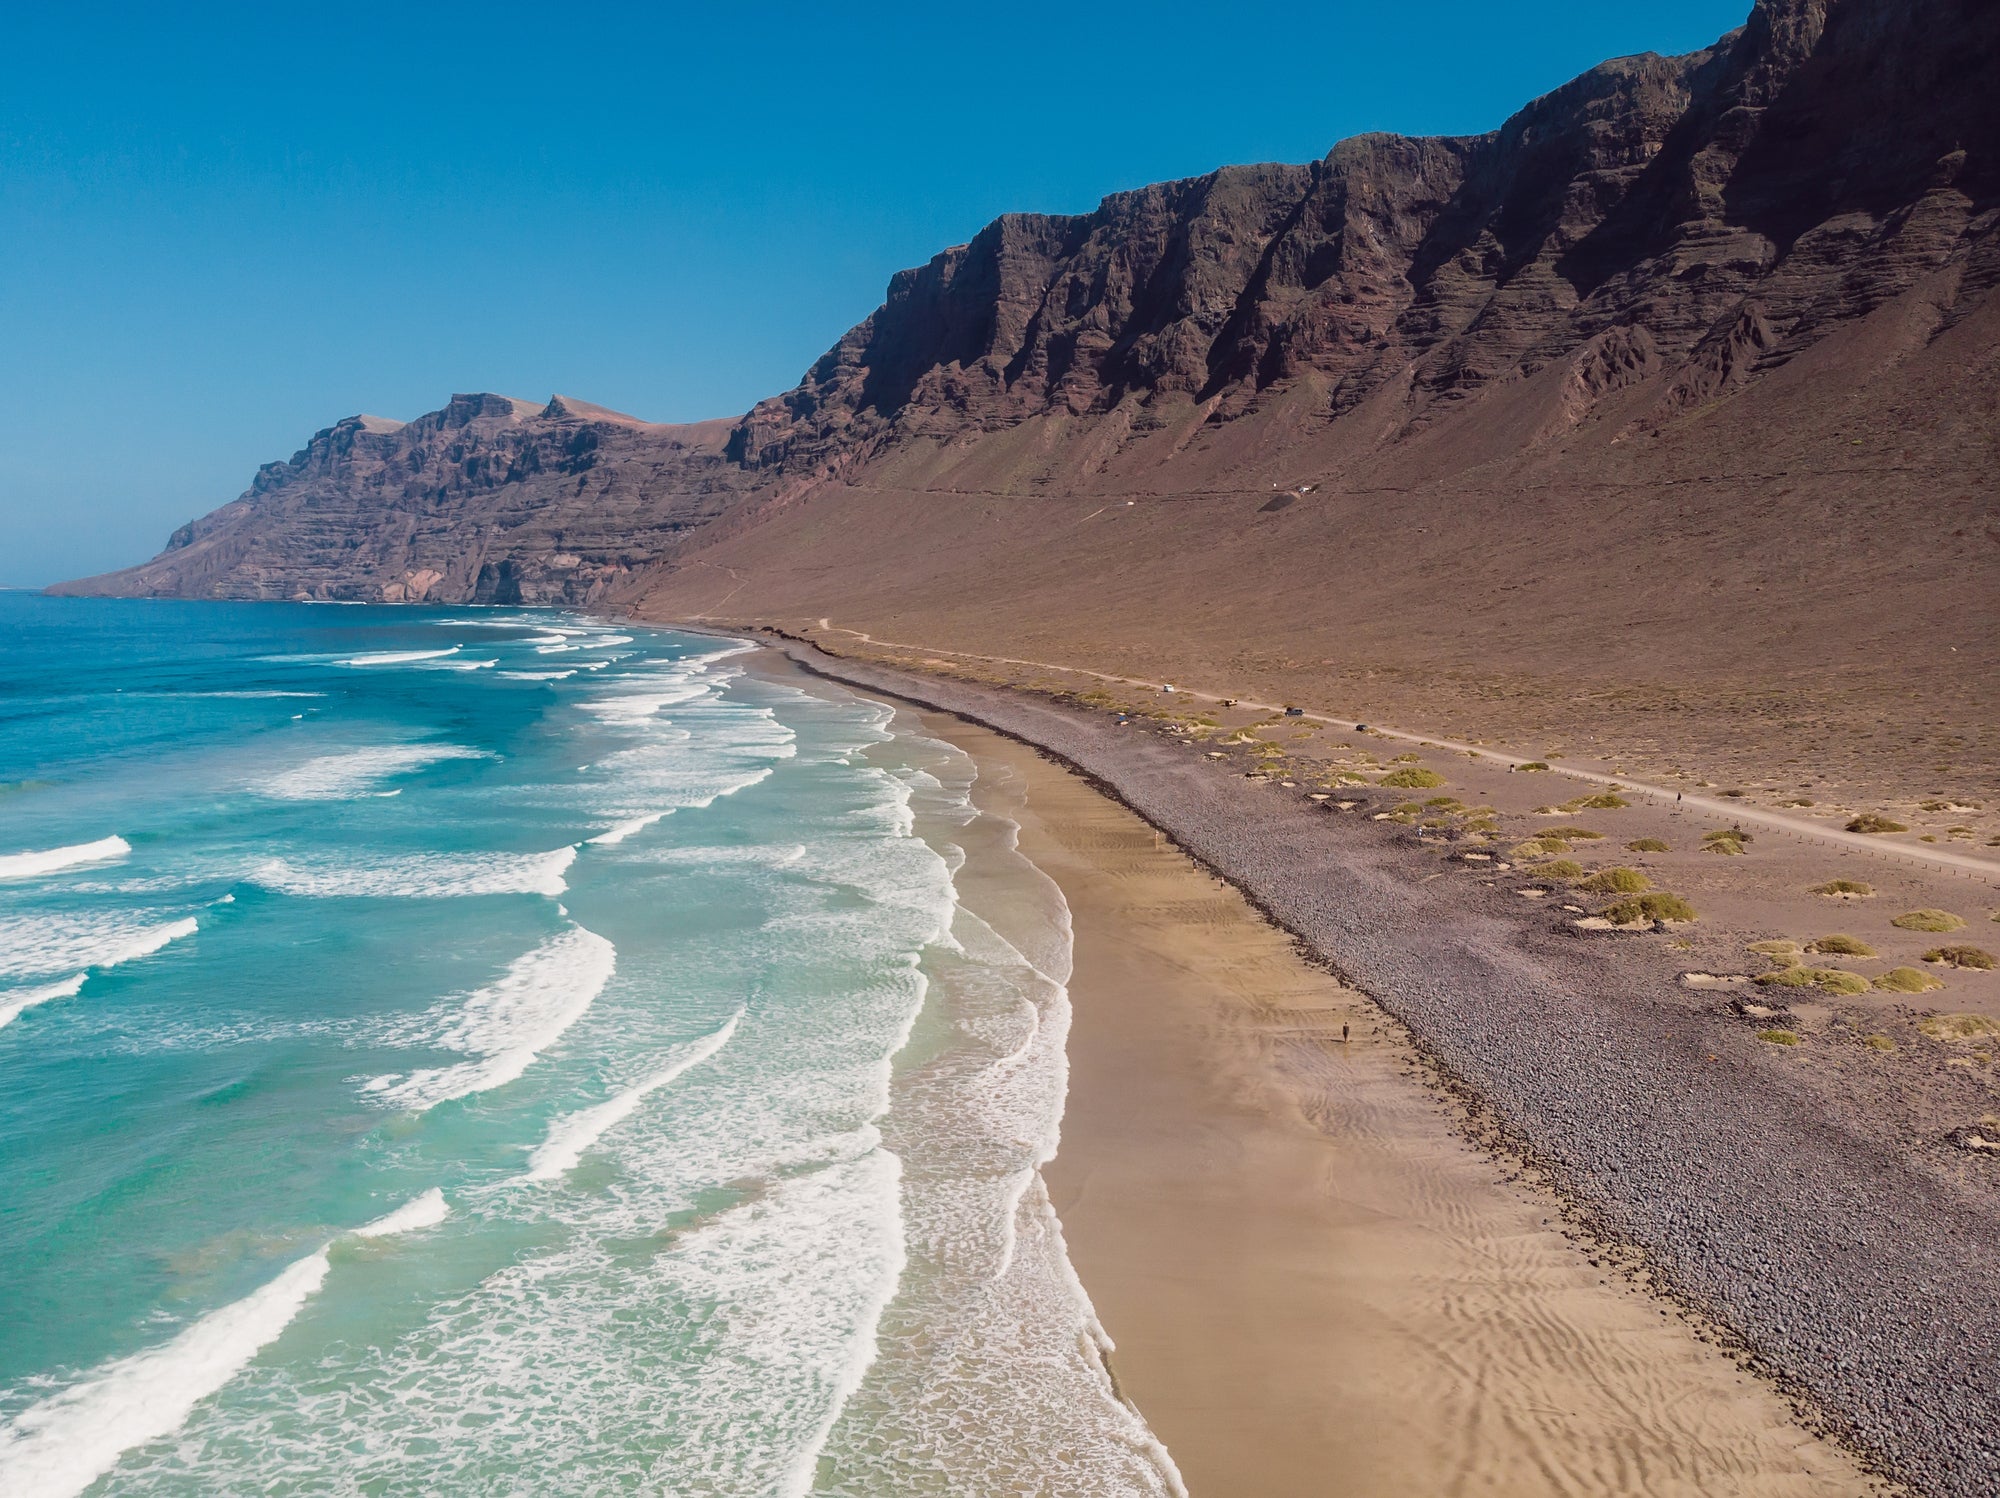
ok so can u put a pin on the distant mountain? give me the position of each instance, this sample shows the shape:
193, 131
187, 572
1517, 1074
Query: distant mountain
1708, 340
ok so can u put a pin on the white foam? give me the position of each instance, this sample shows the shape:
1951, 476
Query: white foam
539, 675
49, 860
505, 1025
625, 829
424, 1211
355, 772
13, 1001
399, 657
424, 876
58, 1447
36, 946
572, 1134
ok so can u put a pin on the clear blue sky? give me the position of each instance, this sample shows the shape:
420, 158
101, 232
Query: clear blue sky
223, 229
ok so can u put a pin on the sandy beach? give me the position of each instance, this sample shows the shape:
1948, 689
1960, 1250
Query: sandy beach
1315, 1283
1852, 1263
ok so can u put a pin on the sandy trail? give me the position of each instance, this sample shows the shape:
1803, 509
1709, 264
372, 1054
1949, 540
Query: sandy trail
1736, 811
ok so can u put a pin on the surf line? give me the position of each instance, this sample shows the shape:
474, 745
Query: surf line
49, 860
573, 1133
60, 1446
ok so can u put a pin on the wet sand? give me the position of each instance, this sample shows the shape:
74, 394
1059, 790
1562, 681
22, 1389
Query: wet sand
1316, 1284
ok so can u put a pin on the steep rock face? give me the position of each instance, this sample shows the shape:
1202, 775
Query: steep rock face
1653, 237
1720, 210
489, 500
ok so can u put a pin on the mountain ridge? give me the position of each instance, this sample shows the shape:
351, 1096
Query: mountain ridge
1746, 291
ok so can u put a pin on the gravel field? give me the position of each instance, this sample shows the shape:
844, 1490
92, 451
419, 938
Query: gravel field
1858, 1281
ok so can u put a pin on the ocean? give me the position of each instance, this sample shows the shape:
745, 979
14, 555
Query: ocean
474, 1051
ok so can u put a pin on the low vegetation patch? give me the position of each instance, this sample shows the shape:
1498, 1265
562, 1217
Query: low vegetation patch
1533, 764
1878, 1042
1604, 801
1958, 1026
1869, 821
1841, 946
1779, 949
1907, 980
1934, 921
1538, 847
1647, 845
1794, 976
1723, 844
1570, 834
1413, 779
1844, 889
1620, 881
1778, 1037
1968, 957
1656, 906
1558, 868
1827, 979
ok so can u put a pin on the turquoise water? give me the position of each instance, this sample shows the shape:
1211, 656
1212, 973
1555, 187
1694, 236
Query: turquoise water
460, 1051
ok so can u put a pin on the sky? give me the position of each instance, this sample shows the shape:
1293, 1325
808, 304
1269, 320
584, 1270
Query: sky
223, 228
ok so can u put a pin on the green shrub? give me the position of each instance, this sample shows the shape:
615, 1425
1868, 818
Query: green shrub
1785, 977
1537, 847
1969, 957
1570, 834
1533, 764
1733, 834
1841, 946
1868, 821
1414, 779
1620, 881
1937, 922
1907, 980
1647, 845
1828, 979
1558, 868
1778, 1037
1728, 847
1838, 887
1657, 906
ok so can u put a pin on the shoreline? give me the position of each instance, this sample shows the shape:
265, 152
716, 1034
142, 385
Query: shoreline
1802, 1239
1305, 1268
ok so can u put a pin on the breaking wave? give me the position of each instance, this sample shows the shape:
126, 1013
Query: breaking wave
49, 860
503, 1026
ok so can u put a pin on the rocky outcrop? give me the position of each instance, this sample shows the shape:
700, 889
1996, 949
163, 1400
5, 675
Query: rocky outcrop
1655, 236
490, 500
